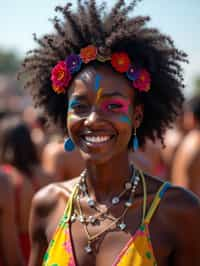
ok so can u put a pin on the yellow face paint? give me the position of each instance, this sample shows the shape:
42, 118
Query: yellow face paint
99, 92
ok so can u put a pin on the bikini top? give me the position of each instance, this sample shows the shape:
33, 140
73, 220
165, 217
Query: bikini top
137, 252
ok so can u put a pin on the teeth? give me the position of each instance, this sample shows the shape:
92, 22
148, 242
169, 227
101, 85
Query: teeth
98, 139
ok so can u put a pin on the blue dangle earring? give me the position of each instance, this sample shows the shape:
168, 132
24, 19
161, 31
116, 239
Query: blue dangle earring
69, 145
135, 141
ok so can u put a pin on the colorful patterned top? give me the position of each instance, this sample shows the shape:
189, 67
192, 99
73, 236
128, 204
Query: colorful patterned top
137, 252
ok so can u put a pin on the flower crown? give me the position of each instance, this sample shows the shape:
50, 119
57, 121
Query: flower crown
62, 73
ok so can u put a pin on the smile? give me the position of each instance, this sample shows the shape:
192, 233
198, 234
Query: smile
97, 139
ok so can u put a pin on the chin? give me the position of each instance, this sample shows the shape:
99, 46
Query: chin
96, 158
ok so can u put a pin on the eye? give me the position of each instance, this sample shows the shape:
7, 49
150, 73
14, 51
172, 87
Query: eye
78, 107
113, 106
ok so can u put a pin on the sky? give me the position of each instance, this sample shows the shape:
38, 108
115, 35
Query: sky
178, 18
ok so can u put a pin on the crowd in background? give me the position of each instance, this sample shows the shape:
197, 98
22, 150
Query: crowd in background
32, 156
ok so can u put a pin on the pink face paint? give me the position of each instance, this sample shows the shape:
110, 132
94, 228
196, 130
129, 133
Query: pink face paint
115, 105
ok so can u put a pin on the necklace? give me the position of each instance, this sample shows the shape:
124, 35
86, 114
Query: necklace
130, 185
118, 222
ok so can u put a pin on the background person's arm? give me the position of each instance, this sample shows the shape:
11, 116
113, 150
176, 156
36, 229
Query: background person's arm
10, 253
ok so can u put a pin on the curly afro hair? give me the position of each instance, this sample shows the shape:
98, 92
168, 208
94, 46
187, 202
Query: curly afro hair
114, 31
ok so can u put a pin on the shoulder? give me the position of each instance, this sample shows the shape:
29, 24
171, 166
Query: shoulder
47, 204
181, 210
48, 198
177, 202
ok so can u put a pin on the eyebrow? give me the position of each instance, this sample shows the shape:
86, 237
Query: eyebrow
113, 94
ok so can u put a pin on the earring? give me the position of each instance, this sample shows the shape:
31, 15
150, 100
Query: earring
135, 141
68, 145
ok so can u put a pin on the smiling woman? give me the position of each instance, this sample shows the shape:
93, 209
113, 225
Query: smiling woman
111, 83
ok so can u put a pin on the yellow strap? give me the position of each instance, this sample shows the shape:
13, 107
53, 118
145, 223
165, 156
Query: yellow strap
154, 204
69, 207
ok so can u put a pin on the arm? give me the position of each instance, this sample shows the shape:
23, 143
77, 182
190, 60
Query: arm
8, 235
37, 231
180, 164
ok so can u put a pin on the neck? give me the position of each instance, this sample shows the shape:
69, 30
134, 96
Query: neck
107, 180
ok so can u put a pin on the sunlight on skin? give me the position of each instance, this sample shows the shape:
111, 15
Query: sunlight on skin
70, 116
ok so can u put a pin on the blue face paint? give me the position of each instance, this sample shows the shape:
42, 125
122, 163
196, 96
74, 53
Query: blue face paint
97, 82
125, 119
72, 103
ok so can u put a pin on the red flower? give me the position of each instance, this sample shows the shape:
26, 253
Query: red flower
88, 53
142, 83
120, 61
60, 77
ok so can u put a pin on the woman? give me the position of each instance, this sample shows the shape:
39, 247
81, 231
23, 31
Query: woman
23, 176
117, 83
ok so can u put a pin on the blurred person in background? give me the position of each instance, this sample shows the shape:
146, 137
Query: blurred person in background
186, 163
36, 123
10, 254
61, 164
149, 159
19, 160
185, 122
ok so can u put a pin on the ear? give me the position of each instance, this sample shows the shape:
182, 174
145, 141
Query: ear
138, 114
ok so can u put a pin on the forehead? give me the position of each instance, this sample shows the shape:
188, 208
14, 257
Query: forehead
91, 79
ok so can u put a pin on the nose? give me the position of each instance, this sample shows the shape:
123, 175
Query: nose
93, 118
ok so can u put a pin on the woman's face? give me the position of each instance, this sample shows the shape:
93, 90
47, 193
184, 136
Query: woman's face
100, 113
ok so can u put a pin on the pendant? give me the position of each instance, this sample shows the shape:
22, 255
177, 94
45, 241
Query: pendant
91, 219
83, 188
91, 202
88, 248
73, 218
81, 219
128, 203
128, 185
122, 226
115, 200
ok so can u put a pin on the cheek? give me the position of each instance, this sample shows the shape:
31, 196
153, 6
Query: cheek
125, 119
73, 122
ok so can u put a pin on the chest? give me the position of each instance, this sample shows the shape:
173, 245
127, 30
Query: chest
113, 244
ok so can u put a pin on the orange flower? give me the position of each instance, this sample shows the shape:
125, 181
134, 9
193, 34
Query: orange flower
88, 53
120, 61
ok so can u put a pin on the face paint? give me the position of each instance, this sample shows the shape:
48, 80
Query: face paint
70, 116
97, 82
99, 92
116, 105
72, 103
125, 119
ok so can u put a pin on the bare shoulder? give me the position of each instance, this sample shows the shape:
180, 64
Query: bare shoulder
48, 197
177, 202
182, 209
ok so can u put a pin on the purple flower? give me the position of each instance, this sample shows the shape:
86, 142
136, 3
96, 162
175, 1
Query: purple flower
73, 63
132, 73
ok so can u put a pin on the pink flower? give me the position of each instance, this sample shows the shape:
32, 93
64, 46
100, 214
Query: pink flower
60, 77
142, 83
